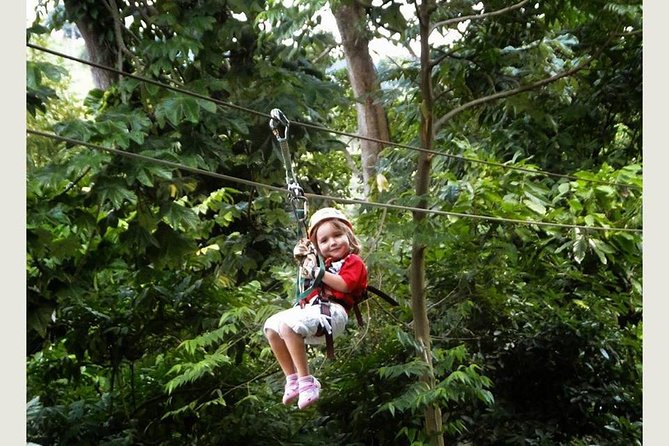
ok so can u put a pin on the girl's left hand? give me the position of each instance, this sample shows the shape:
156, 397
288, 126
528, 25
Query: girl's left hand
302, 248
309, 267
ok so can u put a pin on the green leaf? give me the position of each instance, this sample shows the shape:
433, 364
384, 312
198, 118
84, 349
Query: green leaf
115, 192
536, 207
601, 249
146, 173
179, 217
604, 353
579, 249
608, 190
207, 105
580, 303
536, 193
180, 108
575, 205
563, 188
74, 129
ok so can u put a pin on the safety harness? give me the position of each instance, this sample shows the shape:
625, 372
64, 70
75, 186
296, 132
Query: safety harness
324, 298
305, 284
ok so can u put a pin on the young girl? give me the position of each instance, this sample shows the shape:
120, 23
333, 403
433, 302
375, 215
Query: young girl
345, 278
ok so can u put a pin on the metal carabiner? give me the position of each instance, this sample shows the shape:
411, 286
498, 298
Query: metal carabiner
301, 212
296, 193
278, 118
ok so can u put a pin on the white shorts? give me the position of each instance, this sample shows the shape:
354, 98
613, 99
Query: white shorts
305, 321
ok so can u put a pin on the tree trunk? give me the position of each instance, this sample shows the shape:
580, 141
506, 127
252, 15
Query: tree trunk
99, 51
433, 419
372, 120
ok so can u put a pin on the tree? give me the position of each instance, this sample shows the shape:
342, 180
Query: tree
371, 115
445, 68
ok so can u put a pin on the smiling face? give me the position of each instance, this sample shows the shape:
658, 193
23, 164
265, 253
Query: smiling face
332, 240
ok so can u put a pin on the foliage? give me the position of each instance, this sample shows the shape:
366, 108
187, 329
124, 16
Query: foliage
147, 285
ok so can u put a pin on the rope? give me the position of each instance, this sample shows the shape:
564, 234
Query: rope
327, 197
337, 132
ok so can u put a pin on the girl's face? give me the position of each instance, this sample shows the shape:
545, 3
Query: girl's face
332, 241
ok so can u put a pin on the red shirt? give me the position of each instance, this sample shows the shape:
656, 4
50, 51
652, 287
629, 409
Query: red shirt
354, 272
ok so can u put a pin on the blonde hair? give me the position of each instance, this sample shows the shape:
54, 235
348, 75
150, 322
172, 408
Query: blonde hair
353, 241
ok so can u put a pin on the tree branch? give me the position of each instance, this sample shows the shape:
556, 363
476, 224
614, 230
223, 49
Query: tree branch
324, 53
452, 54
442, 93
122, 48
74, 182
477, 16
505, 94
413, 54
441, 58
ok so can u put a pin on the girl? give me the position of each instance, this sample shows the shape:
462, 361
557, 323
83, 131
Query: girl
344, 280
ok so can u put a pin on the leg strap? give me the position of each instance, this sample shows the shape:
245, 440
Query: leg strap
329, 344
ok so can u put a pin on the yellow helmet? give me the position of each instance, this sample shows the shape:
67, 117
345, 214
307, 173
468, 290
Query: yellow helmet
327, 214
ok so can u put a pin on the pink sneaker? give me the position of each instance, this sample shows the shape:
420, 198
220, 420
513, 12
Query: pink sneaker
291, 391
309, 393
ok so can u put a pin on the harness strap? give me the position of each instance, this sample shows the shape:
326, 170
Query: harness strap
358, 315
347, 307
325, 299
329, 342
381, 294
300, 292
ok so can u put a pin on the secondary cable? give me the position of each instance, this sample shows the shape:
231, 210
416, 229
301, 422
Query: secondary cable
325, 197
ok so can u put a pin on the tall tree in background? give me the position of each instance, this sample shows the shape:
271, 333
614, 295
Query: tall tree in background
94, 25
371, 116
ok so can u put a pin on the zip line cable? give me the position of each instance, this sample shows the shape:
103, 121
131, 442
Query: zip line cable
148, 81
471, 160
325, 129
325, 197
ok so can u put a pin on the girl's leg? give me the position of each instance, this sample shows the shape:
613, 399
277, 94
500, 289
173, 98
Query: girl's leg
291, 390
281, 353
308, 386
294, 344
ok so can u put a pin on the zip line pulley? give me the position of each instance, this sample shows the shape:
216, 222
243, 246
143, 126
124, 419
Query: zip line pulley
298, 201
